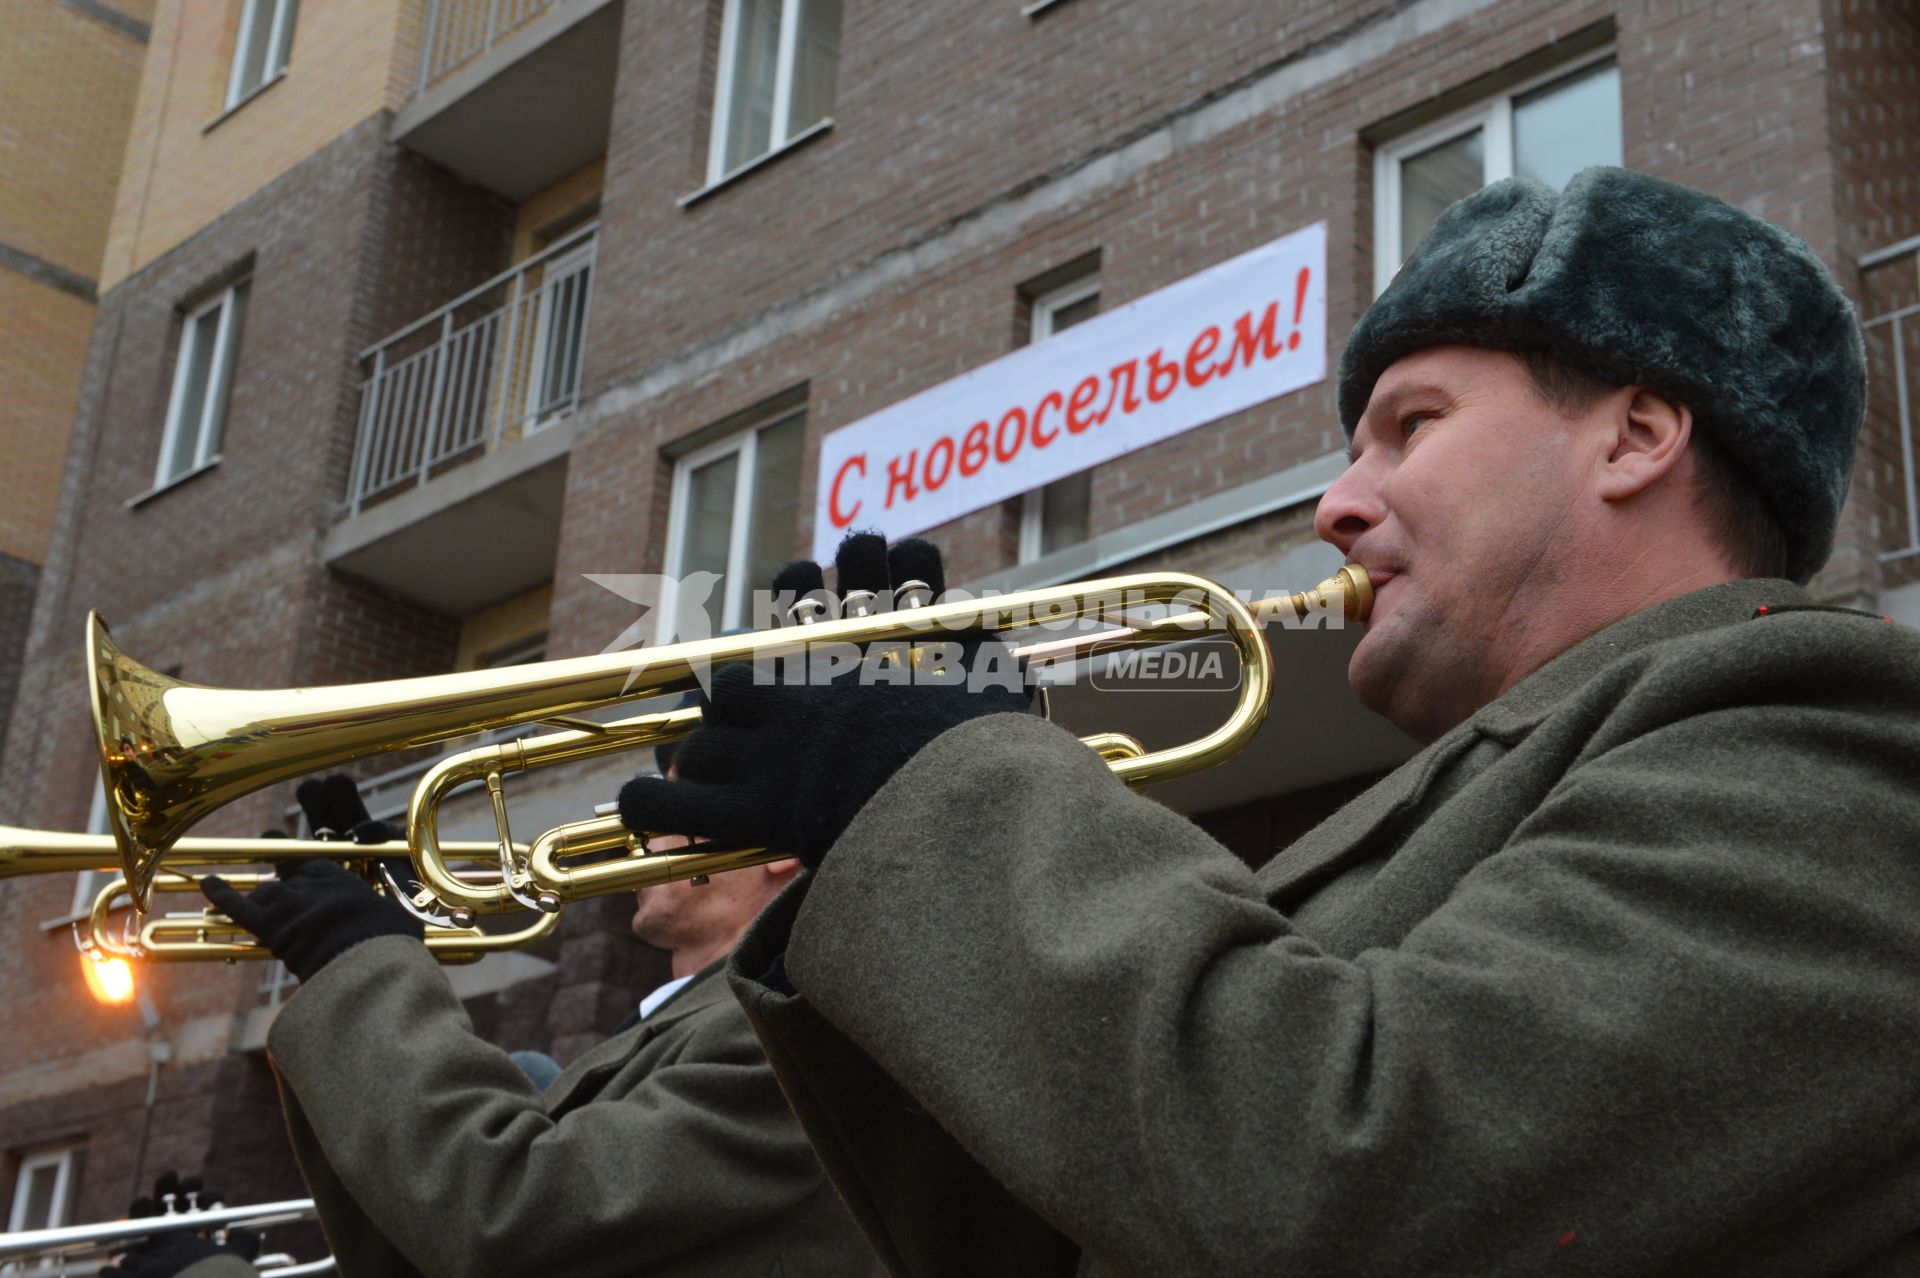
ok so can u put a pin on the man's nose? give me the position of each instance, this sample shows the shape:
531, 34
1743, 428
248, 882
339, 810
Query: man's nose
1349, 508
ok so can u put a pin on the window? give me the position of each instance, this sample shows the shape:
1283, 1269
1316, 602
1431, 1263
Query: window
779, 61
1060, 514
44, 1193
734, 510
260, 52
560, 333
1548, 128
202, 378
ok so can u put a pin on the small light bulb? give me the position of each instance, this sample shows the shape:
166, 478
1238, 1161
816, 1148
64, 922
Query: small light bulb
110, 980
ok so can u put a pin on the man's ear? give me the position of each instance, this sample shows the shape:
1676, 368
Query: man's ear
1649, 436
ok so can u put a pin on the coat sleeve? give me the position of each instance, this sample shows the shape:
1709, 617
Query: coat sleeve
1658, 1029
928, 1209
444, 1145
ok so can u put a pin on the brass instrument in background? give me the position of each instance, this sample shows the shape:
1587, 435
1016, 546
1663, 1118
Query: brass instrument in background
87, 1247
208, 934
204, 934
170, 751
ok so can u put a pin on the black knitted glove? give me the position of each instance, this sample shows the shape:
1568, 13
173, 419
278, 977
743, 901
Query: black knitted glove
335, 810
165, 1255
314, 912
788, 766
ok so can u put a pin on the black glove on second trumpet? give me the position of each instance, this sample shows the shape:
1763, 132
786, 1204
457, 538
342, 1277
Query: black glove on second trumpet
788, 765
312, 913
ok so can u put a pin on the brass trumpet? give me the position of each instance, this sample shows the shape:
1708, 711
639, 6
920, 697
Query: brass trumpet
24, 852
171, 751
205, 934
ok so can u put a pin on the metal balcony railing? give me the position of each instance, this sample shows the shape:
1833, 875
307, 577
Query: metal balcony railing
458, 31
492, 366
1889, 337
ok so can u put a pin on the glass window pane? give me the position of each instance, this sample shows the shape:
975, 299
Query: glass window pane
196, 354
756, 54
38, 1194
290, 12
1435, 178
1062, 318
251, 57
1565, 126
216, 419
816, 64
776, 500
709, 526
1065, 510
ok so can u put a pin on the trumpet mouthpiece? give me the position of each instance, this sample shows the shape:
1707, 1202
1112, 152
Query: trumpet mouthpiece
1348, 593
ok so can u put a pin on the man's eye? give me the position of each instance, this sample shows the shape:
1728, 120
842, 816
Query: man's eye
1413, 422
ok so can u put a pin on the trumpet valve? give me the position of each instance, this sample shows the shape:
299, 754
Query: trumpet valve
461, 917
859, 603
807, 611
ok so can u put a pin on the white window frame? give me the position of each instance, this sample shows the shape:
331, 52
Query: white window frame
214, 409
1494, 116
745, 443
62, 1160
577, 261
786, 60
1033, 503
279, 48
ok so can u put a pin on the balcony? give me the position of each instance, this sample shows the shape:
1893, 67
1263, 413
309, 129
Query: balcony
459, 464
513, 95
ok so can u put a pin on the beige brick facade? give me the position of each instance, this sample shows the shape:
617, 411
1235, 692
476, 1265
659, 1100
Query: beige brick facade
67, 85
189, 159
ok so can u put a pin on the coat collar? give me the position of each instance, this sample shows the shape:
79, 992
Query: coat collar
1324, 849
1524, 705
703, 991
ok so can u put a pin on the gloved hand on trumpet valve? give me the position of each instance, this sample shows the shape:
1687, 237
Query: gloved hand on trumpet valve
312, 913
164, 1255
788, 764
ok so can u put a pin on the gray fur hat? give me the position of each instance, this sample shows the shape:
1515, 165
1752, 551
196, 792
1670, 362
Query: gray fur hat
1645, 282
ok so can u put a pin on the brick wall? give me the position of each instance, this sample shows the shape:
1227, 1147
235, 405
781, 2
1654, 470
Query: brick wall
696, 319
67, 80
1873, 95
189, 160
220, 576
67, 83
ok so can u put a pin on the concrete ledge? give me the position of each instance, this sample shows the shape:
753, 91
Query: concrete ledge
534, 107
469, 538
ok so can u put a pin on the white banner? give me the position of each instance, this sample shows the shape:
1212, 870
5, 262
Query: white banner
1230, 337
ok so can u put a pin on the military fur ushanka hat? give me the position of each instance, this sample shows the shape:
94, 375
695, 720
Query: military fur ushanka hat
1647, 283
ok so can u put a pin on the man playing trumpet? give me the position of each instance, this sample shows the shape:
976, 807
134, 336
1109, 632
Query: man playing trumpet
1619, 974
666, 1150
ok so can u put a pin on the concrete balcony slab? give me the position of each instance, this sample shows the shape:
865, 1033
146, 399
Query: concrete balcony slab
527, 110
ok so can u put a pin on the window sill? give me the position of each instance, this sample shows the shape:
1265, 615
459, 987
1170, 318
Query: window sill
759, 162
142, 498
257, 90
65, 920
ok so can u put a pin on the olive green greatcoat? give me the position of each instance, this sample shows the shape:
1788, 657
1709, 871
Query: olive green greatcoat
667, 1149
1619, 977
